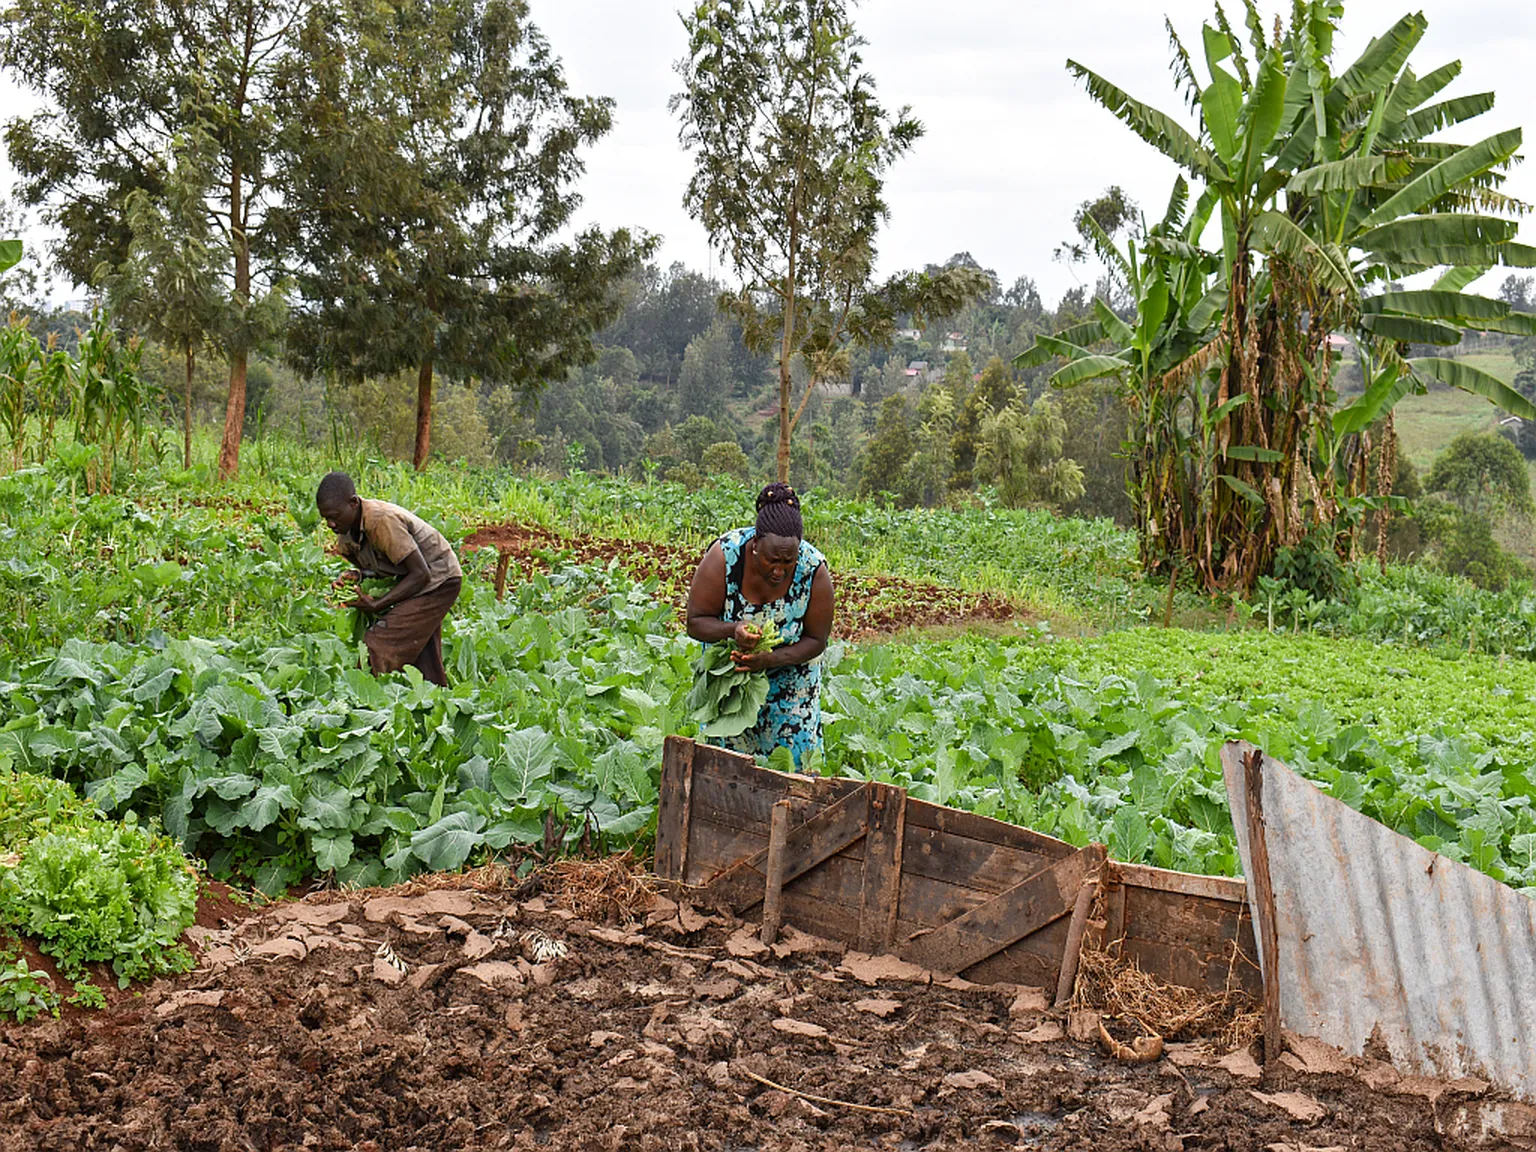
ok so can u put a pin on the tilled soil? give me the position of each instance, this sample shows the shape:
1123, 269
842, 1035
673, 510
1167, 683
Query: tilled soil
868, 606
451, 1018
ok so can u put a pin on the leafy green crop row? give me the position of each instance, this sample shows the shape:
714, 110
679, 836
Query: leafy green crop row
1119, 739
283, 760
87, 889
271, 753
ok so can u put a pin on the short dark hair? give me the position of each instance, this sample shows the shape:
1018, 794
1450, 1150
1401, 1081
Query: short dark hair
778, 512
335, 488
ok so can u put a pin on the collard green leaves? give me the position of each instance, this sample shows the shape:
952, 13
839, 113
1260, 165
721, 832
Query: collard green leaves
284, 760
725, 700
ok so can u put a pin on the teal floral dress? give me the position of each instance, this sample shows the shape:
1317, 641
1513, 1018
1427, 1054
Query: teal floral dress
792, 716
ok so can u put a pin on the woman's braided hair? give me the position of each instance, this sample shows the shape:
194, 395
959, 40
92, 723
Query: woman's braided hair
778, 512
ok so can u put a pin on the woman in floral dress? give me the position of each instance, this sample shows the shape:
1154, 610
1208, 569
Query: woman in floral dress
749, 575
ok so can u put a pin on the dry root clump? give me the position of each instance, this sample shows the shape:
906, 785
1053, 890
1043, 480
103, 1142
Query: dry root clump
614, 889
1119, 988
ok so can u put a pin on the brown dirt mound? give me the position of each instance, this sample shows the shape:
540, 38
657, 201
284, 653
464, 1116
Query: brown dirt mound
439, 1018
868, 606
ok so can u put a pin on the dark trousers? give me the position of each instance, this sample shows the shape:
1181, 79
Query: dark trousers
412, 633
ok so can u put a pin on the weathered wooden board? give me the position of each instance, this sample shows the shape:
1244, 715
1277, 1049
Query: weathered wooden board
867, 865
1191, 930
1037, 900
811, 840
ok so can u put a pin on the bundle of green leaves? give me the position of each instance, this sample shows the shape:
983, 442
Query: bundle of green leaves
726, 700
24, 990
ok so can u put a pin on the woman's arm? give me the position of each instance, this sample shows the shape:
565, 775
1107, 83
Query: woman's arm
813, 640
706, 603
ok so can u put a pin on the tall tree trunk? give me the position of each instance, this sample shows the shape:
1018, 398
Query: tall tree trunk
234, 408
186, 423
786, 355
234, 418
784, 386
423, 413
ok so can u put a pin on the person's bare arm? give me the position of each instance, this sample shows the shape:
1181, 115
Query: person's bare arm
706, 604
414, 582
813, 640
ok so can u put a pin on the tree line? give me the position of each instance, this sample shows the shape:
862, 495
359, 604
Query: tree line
379, 191
372, 188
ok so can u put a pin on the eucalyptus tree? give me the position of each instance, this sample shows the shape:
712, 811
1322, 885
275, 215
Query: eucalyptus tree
423, 227
791, 148
168, 284
1327, 191
120, 84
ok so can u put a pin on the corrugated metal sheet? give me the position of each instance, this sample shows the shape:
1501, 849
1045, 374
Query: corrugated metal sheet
1381, 938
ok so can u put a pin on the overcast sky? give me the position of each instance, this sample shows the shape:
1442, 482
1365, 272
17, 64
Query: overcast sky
1012, 144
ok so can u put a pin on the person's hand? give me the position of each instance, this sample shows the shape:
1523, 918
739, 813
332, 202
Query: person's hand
363, 602
350, 576
752, 661
747, 636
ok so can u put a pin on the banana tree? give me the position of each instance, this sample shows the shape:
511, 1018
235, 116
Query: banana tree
1170, 284
1325, 190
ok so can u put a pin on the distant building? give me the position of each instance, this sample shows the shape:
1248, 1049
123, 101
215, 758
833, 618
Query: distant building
1338, 343
909, 334
923, 371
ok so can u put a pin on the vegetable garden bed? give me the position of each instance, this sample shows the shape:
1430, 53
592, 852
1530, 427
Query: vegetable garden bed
645, 1036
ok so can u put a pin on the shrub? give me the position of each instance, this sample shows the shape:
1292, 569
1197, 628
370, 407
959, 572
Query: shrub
726, 459
1471, 551
1313, 566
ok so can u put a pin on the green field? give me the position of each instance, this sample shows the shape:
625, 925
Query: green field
197, 676
1426, 424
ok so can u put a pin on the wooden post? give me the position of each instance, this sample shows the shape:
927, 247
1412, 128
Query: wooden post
503, 561
773, 891
880, 896
674, 808
1074, 949
1264, 901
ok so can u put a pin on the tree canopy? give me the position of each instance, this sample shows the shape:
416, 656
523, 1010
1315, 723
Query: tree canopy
791, 148
423, 233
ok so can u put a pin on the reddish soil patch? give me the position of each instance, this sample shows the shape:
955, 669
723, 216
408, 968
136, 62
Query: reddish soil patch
867, 606
430, 1018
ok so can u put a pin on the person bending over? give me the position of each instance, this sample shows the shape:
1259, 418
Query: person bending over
383, 540
749, 575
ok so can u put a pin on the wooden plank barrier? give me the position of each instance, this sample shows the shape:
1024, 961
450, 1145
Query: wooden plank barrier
866, 864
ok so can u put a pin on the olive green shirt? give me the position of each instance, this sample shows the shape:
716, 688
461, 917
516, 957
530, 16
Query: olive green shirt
388, 534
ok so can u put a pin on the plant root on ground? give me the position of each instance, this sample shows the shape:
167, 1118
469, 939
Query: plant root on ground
1119, 988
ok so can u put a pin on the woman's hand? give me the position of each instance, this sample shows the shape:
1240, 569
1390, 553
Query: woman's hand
364, 602
753, 661
746, 636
